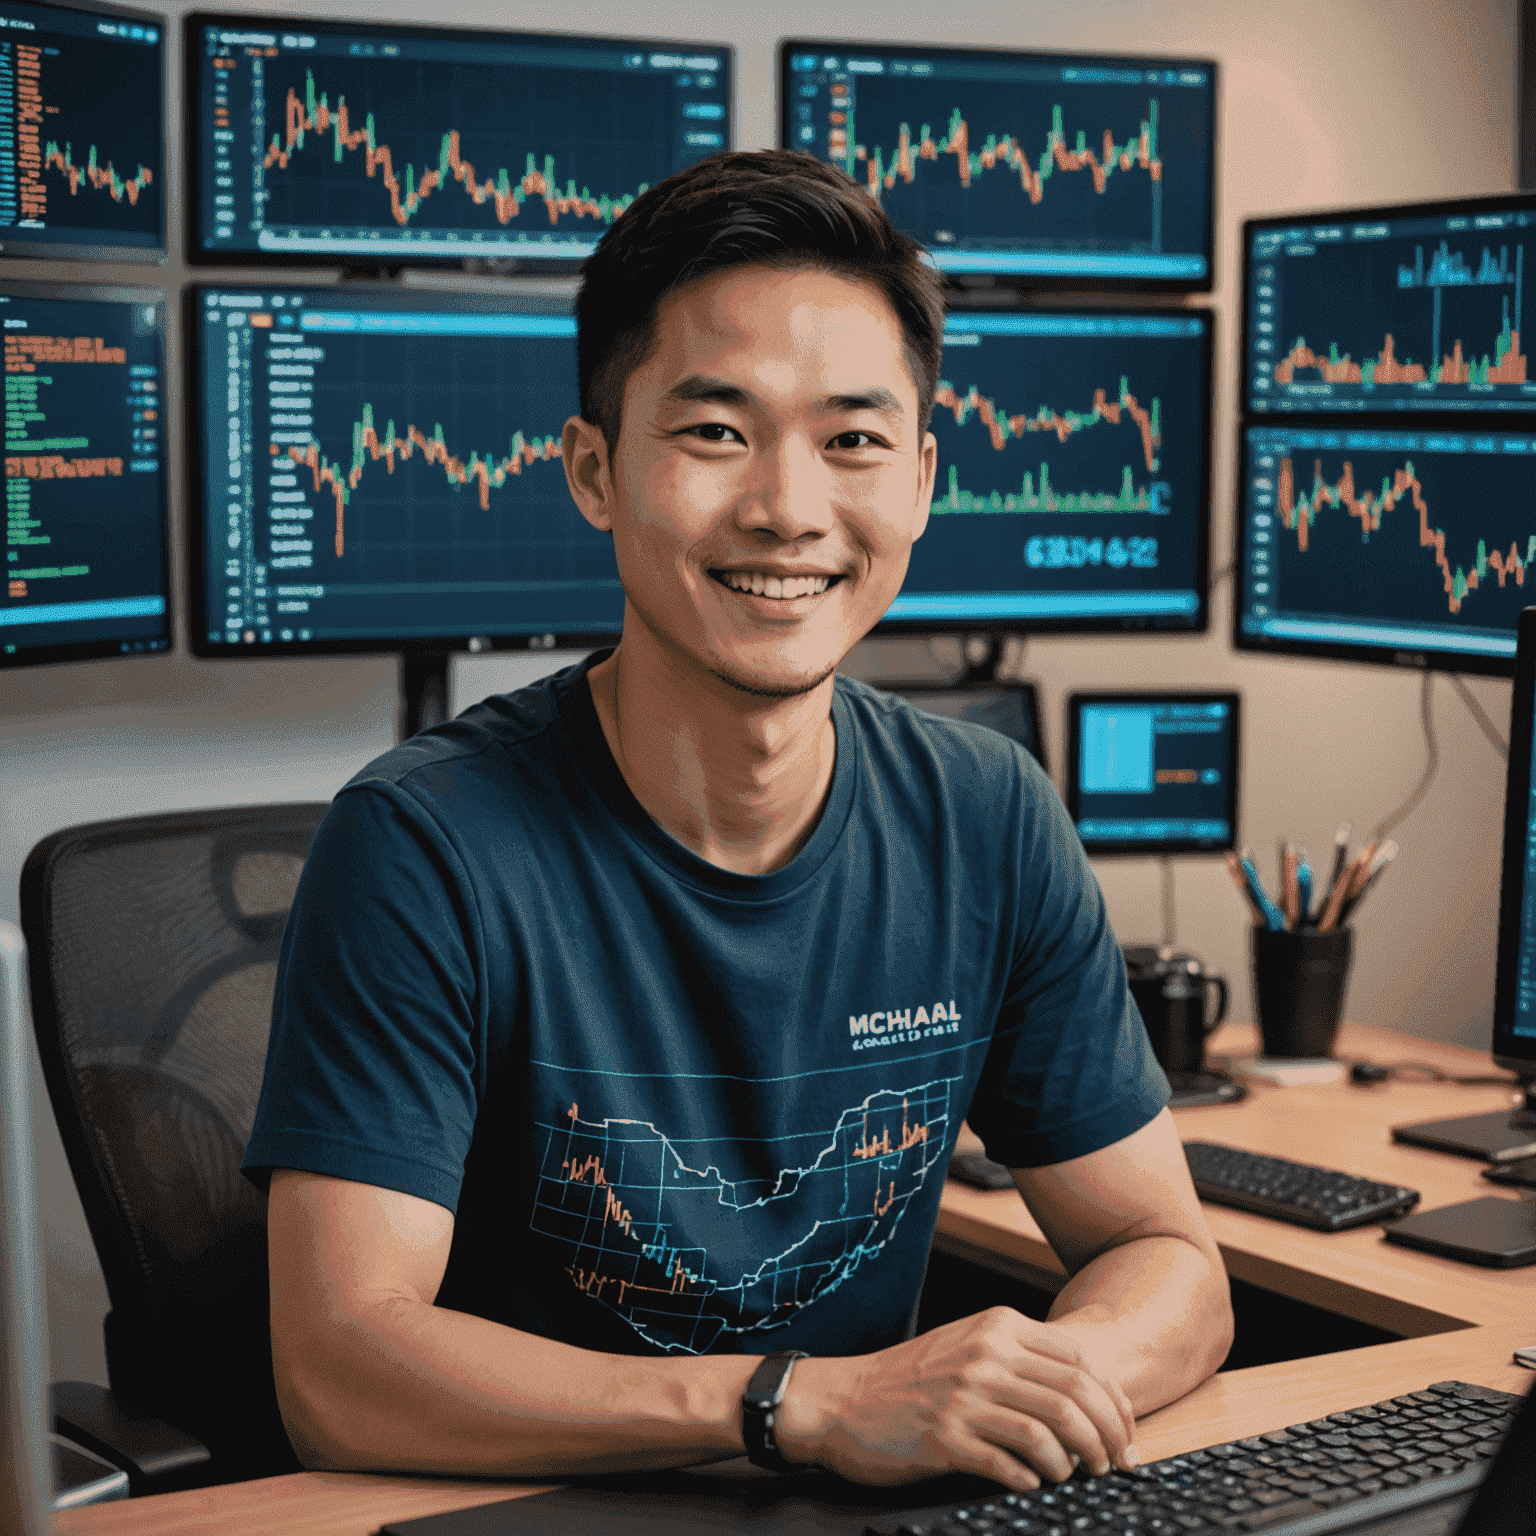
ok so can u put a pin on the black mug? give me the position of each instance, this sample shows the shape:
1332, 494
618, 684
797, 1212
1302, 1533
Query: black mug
1299, 979
1172, 995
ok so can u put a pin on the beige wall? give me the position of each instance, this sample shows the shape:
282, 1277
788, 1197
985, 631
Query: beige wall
1323, 102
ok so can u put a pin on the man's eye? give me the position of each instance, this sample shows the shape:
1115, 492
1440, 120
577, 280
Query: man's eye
714, 432
851, 440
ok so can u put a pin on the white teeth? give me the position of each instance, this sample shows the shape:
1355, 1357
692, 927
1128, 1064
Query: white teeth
782, 588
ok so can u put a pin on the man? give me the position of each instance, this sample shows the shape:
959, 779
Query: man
625, 1024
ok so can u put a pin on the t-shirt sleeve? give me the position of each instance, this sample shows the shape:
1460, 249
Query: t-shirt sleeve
1070, 1068
372, 1069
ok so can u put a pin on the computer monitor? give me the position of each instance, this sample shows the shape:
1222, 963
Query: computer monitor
1505, 1136
86, 569
1153, 773
1073, 476
1047, 169
1397, 310
379, 469
82, 135
1514, 998
374, 143
1407, 548
1010, 707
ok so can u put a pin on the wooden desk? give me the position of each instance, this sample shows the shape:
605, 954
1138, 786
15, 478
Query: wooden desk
1223, 1408
1357, 1274
1463, 1323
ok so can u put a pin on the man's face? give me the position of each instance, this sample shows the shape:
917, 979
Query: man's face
769, 478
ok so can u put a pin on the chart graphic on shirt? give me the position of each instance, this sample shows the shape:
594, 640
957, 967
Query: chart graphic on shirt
653, 1229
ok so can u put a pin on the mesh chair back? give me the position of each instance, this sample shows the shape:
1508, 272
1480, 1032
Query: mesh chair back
153, 945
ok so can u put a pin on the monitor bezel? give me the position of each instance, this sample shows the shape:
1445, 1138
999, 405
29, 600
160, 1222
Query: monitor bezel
1496, 203
468, 642
360, 261
1419, 659
138, 255
1032, 282
112, 293
1509, 1049
1073, 755
1154, 624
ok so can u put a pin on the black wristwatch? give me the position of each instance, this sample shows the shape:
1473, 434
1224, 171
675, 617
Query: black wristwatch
759, 1410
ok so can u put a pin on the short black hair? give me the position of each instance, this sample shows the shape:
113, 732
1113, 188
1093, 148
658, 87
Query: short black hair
768, 207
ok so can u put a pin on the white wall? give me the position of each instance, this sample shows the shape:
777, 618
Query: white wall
1323, 102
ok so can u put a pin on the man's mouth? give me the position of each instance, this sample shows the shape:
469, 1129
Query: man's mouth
778, 588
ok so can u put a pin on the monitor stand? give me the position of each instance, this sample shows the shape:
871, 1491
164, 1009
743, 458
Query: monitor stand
1501, 1137
423, 692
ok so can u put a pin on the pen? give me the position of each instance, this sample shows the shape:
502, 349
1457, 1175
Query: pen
1258, 895
1378, 867
1304, 888
1235, 869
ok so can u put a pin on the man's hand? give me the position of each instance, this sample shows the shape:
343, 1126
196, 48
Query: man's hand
995, 1394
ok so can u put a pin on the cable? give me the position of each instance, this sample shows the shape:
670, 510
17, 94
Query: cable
1364, 1072
1490, 730
1432, 762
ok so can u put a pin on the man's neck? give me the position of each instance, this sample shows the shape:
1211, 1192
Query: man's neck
737, 779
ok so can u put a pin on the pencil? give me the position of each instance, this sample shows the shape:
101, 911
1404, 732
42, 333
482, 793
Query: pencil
1373, 874
1343, 887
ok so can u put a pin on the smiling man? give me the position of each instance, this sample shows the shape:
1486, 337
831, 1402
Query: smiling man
625, 1024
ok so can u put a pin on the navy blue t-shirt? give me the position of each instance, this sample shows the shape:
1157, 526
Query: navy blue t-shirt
676, 1108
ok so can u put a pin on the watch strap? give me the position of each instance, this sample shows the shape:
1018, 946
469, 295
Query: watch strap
759, 1410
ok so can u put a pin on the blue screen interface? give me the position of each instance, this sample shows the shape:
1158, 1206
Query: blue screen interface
381, 143
386, 465
1071, 483
1525, 980
1153, 772
85, 494
1020, 164
1414, 314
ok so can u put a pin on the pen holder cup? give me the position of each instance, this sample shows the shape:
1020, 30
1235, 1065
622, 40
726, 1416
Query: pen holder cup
1299, 980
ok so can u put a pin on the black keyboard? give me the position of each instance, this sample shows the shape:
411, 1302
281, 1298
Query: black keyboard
1302, 1481
1296, 1192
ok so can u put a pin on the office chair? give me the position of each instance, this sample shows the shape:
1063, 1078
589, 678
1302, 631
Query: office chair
153, 948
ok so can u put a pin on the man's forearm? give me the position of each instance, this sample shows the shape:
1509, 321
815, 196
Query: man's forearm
405, 1386
1155, 1311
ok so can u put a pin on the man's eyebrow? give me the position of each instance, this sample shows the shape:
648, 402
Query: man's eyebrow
699, 386
876, 398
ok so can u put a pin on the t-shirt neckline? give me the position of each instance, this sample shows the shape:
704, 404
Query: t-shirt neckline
607, 781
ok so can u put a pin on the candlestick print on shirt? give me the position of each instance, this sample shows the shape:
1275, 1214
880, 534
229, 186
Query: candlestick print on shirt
654, 1229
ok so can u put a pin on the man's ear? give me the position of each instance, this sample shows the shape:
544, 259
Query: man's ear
928, 469
584, 451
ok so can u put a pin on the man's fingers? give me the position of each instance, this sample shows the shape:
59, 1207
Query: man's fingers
1075, 1403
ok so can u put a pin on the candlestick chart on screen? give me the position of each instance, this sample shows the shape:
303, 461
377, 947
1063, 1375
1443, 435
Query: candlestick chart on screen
456, 147
1414, 535
85, 119
423, 458
1049, 166
1402, 323
1065, 460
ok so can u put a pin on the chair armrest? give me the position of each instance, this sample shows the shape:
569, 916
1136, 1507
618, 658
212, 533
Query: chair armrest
156, 1456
